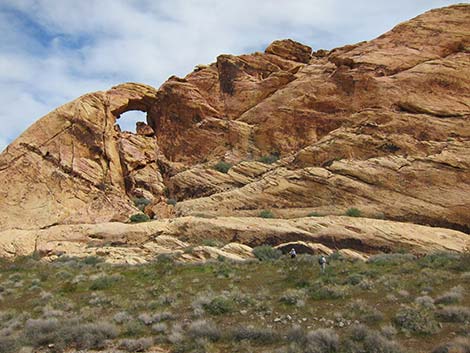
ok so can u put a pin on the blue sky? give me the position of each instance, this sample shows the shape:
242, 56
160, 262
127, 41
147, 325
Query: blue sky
52, 51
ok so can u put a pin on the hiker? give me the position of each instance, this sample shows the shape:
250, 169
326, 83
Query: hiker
322, 262
292, 253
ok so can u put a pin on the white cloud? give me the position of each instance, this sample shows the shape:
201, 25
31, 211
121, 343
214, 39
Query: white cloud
55, 50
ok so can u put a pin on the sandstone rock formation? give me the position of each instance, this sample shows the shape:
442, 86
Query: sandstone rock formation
382, 126
138, 243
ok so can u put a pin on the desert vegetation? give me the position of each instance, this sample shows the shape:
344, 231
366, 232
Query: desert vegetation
391, 303
223, 167
139, 217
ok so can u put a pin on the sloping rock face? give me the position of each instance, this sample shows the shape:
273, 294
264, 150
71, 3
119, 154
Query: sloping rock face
383, 126
137, 243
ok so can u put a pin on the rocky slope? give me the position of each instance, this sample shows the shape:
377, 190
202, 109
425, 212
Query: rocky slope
382, 126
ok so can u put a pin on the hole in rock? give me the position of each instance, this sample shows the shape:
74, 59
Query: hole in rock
128, 120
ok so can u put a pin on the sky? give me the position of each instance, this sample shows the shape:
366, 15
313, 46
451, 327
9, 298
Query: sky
53, 51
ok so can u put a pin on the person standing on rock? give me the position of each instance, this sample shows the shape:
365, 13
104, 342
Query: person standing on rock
322, 263
292, 253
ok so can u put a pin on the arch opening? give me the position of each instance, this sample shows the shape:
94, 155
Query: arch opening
127, 121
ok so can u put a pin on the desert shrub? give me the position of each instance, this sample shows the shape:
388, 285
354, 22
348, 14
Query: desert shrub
366, 284
176, 334
139, 217
336, 256
92, 260
391, 259
122, 317
454, 295
141, 202
364, 312
87, 335
134, 328
267, 214
135, 345
354, 279
425, 301
322, 341
388, 331
417, 320
454, 314
254, 334
146, 319
8, 344
465, 276
292, 297
329, 292
218, 305
223, 167
270, 158
172, 202
376, 343
358, 332
367, 340
166, 259
353, 212
68, 287
64, 274
103, 282
163, 316
204, 329
297, 335
266, 253
441, 260
457, 345
68, 333
149, 319
463, 263
41, 332
159, 327
197, 346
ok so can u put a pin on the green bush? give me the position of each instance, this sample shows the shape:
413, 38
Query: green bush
417, 320
254, 334
141, 202
204, 329
223, 167
139, 217
353, 212
171, 202
68, 333
292, 297
266, 253
440, 260
218, 305
454, 295
266, 214
364, 312
8, 344
92, 260
270, 158
103, 282
322, 341
136, 345
454, 314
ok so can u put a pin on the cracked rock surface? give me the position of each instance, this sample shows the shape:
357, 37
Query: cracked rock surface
382, 126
